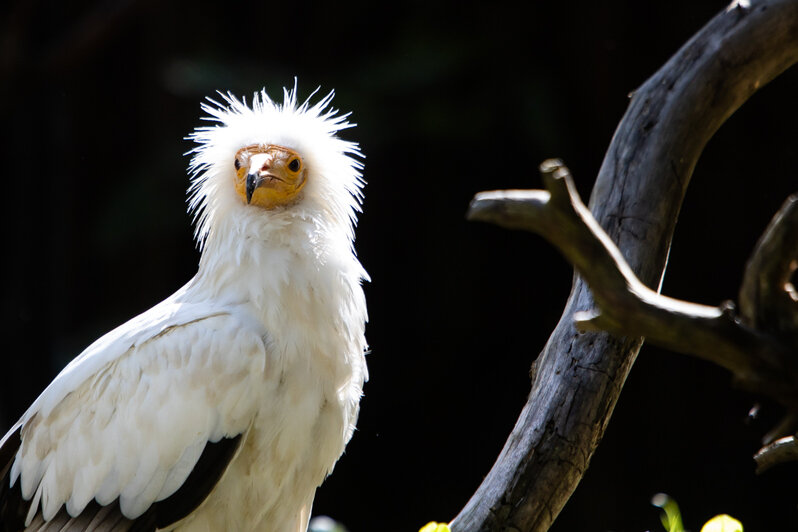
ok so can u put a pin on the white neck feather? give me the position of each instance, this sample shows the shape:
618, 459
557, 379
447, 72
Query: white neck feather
285, 263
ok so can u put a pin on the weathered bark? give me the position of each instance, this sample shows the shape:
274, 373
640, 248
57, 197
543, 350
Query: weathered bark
638, 193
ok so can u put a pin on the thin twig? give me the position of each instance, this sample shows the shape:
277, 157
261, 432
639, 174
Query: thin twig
768, 299
780, 451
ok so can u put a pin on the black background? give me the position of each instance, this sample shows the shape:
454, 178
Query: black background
449, 100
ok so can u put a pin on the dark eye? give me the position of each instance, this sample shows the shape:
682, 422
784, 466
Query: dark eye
237, 163
294, 164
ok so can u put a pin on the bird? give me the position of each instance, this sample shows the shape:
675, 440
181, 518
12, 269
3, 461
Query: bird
226, 405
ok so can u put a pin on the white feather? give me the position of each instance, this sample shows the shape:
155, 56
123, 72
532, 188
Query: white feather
265, 341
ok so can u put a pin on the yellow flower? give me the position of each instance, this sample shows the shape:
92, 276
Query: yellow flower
722, 523
435, 527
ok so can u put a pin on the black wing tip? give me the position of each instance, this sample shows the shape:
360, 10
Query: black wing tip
204, 476
13, 508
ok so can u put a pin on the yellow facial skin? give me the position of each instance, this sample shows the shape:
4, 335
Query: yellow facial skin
269, 176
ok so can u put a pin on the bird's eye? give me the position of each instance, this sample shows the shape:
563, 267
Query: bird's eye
294, 164
237, 164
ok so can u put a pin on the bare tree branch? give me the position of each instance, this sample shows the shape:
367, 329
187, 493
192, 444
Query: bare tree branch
760, 362
780, 451
636, 199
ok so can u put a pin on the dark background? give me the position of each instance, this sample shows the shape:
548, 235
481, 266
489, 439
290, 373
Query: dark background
449, 100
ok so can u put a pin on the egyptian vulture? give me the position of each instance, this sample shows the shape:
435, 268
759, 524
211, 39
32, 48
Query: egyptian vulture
226, 405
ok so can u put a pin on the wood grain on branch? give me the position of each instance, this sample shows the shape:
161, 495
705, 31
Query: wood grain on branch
636, 199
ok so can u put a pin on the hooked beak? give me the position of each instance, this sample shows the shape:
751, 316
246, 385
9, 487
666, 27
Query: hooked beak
253, 181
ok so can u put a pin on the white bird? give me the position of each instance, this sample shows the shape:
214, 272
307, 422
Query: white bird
226, 405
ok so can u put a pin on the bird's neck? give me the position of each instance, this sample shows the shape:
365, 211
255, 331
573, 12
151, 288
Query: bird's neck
263, 260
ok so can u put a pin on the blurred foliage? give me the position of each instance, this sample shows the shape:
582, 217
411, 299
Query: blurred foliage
672, 518
322, 523
722, 523
434, 527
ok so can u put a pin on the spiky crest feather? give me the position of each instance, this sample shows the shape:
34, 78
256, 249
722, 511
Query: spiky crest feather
309, 129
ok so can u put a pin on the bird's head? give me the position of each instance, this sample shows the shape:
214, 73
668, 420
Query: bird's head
269, 176
271, 161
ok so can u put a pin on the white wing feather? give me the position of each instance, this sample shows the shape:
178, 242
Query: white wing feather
130, 417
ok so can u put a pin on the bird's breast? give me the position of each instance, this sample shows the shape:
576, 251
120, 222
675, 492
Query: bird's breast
309, 398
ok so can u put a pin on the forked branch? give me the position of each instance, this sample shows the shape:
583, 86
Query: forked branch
762, 360
636, 199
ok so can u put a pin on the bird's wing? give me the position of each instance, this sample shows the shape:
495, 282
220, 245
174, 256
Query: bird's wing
96, 518
131, 431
